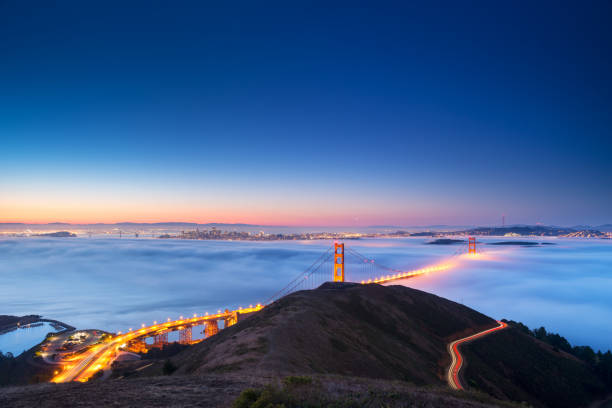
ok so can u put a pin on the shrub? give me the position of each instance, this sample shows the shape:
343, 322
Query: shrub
247, 398
168, 367
297, 380
269, 397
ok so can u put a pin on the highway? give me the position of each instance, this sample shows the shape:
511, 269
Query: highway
457, 359
101, 356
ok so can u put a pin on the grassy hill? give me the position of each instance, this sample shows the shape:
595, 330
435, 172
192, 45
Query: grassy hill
348, 329
513, 365
226, 390
342, 345
392, 332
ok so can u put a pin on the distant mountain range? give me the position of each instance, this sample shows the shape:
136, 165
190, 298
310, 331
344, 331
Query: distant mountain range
421, 227
492, 230
132, 224
537, 230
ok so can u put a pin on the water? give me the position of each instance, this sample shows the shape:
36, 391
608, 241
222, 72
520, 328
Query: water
23, 339
114, 284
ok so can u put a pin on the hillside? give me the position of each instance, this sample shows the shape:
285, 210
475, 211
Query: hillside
513, 365
391, 332
222, 390
349, 329
350, 345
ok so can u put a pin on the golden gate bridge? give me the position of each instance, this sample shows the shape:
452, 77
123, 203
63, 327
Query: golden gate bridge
341, 263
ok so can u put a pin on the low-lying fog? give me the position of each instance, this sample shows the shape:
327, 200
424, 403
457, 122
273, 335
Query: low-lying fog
115, 284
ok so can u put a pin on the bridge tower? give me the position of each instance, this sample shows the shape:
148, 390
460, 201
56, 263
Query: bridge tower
338, 262
472, 245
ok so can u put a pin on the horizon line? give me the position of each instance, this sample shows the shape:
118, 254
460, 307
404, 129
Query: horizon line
284, 225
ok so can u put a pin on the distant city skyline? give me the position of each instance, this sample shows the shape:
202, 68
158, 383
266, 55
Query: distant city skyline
244, 226
306, 115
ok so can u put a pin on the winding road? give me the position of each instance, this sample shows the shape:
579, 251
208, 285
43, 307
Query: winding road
457, 360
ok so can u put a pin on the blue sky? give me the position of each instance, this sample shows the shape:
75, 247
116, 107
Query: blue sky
309, 114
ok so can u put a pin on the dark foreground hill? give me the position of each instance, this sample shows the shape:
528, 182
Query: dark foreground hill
341, 345
394, 333
348, 329
223, 390
513, 365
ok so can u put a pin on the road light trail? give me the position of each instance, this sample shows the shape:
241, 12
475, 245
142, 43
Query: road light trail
452, 375
410, 274
101, 356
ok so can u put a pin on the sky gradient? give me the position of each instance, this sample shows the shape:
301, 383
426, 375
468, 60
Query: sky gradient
283, 114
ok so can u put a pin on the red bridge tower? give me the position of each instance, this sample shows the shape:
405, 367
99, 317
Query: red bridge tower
338, 262
472, 245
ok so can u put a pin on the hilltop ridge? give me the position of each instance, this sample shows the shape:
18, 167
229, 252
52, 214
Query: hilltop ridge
343, 328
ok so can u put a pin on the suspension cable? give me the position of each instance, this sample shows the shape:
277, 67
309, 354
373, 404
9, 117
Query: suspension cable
301, 277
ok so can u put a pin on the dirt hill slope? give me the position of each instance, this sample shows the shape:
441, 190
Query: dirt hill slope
349, 329
352, 341
391, 332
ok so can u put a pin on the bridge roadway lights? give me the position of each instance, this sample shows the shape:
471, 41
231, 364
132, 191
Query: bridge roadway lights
211, 327
135, 341
138, 345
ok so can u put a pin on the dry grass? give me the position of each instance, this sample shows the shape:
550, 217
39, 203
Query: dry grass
223, 390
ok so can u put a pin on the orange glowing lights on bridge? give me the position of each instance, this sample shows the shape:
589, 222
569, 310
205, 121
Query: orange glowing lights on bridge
101, 356
410, 274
